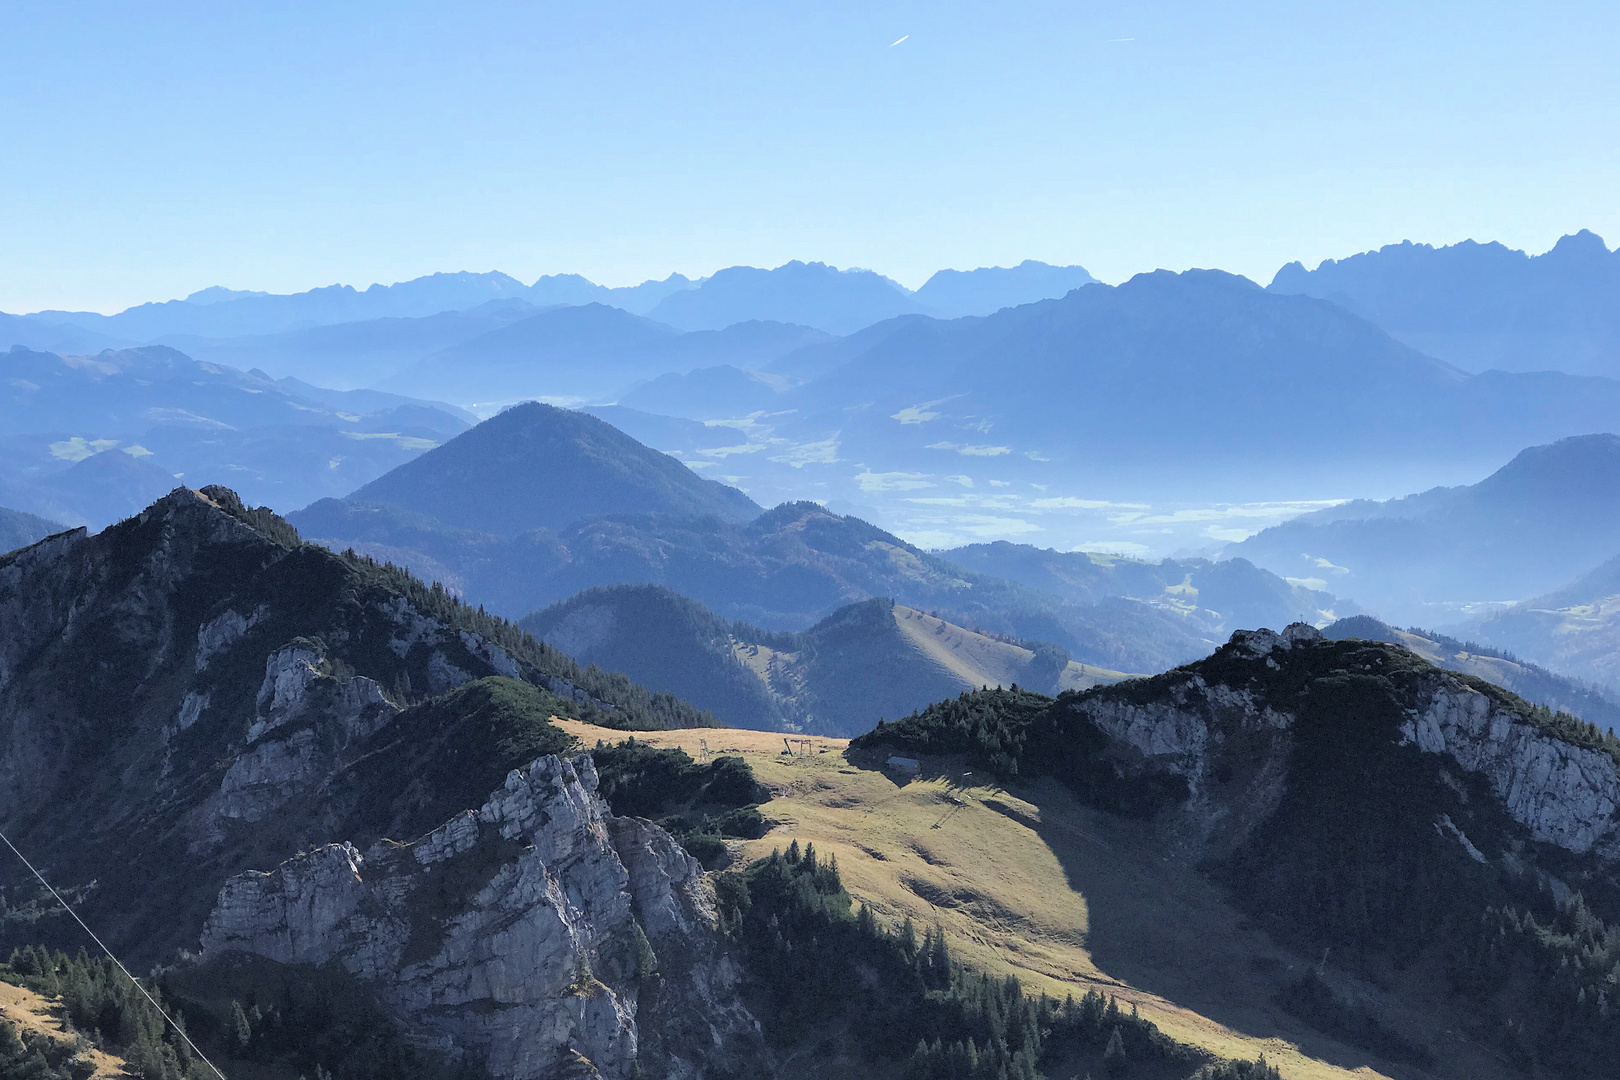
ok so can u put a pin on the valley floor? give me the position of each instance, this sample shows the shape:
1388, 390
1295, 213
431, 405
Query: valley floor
1028, 882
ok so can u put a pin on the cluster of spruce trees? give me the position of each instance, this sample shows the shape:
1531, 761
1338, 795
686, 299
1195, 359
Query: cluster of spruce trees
1551, 983
629, 706
323, 1039
35, 1057
818, 963
701, 805
101, 1003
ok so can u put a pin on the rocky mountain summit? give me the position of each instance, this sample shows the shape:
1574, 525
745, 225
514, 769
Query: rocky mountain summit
1559, 782
194, 697
1421, 827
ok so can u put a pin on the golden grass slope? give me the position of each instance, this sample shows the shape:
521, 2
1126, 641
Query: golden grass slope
34, 1012
1029, 882
975, 659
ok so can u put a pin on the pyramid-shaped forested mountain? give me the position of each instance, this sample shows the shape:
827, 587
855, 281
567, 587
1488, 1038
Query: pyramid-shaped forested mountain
537, 466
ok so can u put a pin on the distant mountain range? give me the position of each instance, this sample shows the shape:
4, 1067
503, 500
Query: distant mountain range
1550, 514
93, 439
278, 329
538, 504
353, 354
1484, 306
1218, 597
590, 352
865, 661
235, 313
991, 288
1199, 385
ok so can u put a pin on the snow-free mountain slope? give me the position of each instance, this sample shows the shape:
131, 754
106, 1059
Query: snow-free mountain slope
714, 393
1366, 809
866, 660
53, 337
592, 352
349, 355
1589, 701
196, 703
1574, 629
18, 529
1188, 383
188, 418
1220, 596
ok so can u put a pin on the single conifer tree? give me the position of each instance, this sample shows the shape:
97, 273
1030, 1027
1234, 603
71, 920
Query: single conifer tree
240, 1026
1114, 1054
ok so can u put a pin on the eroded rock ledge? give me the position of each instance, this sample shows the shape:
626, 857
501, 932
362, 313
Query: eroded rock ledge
531, 930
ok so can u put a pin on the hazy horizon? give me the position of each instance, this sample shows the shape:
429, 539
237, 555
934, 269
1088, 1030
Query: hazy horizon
171, 150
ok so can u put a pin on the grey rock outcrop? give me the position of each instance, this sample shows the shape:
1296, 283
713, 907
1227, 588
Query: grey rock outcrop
1564, 794
521, 933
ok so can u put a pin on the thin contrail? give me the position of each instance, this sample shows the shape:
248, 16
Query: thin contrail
892, 44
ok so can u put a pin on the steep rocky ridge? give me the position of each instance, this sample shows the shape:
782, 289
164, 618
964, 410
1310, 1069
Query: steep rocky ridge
1442, 840
1589, 701
521, 933
194, 693
1557, 779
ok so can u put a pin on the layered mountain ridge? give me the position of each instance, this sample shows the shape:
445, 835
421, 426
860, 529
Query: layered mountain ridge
194, 693
865, 661
1547, 516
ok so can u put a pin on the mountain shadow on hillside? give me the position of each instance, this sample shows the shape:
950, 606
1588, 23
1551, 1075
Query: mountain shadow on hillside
1363, 807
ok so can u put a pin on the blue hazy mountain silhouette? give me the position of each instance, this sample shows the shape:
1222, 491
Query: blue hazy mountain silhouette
352, 354
845, 301
810, 294
1548, 515
168, 415
1182, 379
1484, 306
217, 312
587, 351
991, 288
535, 466
33, 333
712, 393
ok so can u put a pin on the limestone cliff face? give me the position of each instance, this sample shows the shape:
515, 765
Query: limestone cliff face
520, 933
1209, 721
193, 693
1564, 794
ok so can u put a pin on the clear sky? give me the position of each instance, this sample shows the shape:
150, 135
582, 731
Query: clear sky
154, 149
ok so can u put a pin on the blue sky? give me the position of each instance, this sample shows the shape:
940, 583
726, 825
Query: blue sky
155, 149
